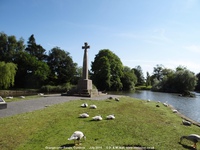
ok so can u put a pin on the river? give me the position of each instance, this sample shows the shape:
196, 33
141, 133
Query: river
188, 106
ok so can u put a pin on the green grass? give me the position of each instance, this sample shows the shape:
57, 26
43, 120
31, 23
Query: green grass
137, 123
143, 87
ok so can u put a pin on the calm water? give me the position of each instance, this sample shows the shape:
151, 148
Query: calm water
190, 107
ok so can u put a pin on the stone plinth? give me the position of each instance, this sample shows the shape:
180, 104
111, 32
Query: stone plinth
84, 84
84, 87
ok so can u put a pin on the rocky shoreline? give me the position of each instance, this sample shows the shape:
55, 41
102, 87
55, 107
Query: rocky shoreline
184, 117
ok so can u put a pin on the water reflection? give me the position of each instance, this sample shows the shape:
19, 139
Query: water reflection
188, 106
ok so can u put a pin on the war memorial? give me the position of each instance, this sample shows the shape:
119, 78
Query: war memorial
85, 86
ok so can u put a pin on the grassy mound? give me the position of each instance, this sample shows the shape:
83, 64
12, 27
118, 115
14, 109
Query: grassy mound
138, 124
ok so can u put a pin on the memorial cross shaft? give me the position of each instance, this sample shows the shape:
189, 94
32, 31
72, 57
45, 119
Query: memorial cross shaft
85, 61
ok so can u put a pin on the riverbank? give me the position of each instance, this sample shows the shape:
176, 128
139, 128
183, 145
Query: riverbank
138, 124
40, 102
188, 106
185, 117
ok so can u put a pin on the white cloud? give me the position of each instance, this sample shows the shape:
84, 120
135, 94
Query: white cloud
193, 48
158, 37
154, 36
191, 65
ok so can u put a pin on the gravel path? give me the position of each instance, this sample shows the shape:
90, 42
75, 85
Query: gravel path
23, 106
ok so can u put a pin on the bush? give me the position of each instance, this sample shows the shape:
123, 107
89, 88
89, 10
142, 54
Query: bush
143, 87
56, 89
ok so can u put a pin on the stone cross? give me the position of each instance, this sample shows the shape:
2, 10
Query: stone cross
85, 61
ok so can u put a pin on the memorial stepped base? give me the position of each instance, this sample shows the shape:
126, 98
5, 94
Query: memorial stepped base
82, 93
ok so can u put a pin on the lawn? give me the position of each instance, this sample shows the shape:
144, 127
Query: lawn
138, 123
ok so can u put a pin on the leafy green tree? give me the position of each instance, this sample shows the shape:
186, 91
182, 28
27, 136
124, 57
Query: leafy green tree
129, 79
20, 45
7, 74
197, 88
102, 74
184, 80
158, 72
107, 71
181, 68
9, 46
32, 73
62, 67
179, 81
148, 79
34, 49
168, 80
3, 46
139, 74
77, 76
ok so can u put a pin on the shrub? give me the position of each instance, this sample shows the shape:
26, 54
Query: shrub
56, 89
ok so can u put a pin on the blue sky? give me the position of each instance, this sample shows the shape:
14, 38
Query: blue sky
139, 32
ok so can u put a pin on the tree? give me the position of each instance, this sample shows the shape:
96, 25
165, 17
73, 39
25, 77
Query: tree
7, 74
184, 80
62, 67
157, 72
107, 71
102, 76
197, 88
180, 68
35, 50
129, 79
139, 74
32, 73
3, 46
77, 76
180, 81
148, 79
9, 47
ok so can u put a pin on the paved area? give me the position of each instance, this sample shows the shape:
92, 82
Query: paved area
23, 106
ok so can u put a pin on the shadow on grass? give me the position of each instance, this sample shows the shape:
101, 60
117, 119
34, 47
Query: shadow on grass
91, 120
107, 100
187, 147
